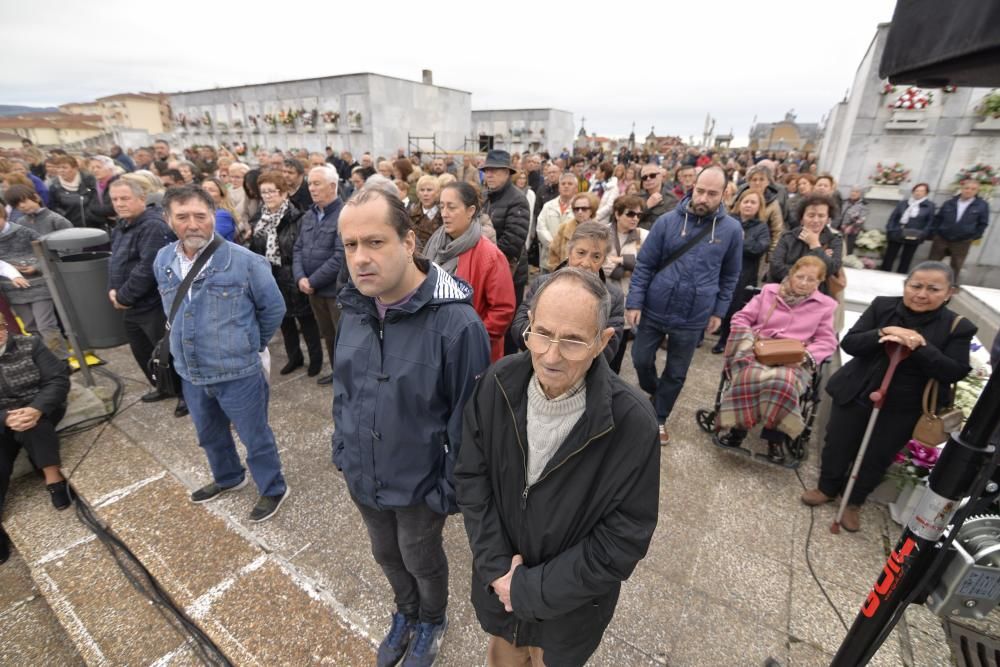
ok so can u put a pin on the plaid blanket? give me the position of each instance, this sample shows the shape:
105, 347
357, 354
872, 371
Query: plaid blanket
760, 394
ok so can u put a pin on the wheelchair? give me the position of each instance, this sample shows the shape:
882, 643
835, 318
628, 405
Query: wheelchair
795, 448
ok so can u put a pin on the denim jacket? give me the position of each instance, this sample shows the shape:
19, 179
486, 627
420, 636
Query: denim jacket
232, 310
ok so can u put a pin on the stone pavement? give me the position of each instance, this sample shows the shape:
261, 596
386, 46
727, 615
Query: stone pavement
725, 581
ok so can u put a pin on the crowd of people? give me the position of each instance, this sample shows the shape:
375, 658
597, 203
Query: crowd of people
475, 314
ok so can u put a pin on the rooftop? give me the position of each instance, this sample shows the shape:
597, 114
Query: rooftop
315, 78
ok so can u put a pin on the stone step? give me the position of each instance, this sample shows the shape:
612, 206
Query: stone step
253, 605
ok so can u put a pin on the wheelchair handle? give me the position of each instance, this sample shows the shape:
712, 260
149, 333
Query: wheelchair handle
897, 353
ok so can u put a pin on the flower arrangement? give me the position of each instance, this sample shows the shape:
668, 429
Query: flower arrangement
889, 174
354, 119
308, 118
206, 118
238, 124
872, 240
989, 106
969, 388
887, 88
332, 117
240, 149
853, 262
913, 98
913, 463
983, 173
271, 119
181, 120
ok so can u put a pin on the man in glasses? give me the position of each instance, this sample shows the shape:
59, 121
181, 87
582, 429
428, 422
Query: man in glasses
659, 197
557, 480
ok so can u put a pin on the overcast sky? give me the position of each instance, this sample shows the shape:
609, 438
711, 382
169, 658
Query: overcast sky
666, 64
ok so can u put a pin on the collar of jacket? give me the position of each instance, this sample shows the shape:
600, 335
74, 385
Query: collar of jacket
600, 271
327, 210
438, 288
150, 211
496, 194
218, 262
682, 208
598, 416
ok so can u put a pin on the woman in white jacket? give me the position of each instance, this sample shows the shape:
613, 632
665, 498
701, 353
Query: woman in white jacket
626, 239
555, 212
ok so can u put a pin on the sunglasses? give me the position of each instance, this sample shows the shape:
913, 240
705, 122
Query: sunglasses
581, 208
646, 177
631, 214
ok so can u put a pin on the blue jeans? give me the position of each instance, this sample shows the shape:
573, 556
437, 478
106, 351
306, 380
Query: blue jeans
243, 404
681, 344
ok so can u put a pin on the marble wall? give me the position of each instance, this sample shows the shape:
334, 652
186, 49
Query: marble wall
522, 130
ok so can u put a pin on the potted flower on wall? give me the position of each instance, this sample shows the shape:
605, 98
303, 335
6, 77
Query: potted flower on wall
307, 119
908, 109
331, 121
271, 120
983, 174
989, 110
886, 180
354, 121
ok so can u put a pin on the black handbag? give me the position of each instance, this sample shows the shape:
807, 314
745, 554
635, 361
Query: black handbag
161, 363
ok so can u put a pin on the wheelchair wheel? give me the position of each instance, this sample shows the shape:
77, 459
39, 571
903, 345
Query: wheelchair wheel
706, 420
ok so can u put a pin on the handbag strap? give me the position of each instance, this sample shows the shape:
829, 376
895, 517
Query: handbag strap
687, 246
932, 387
767, 318
199, 264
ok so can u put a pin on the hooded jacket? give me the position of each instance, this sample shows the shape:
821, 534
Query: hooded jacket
399, 386
581, 528
696, 286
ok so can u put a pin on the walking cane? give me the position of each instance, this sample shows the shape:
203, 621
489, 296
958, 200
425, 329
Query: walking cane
896, 354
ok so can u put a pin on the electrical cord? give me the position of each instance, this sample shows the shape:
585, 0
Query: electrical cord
812, 523
140, 578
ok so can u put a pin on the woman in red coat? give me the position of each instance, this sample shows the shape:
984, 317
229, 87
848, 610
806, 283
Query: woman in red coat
460, 248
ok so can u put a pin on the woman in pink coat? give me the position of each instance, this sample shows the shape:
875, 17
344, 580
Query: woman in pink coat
794, 309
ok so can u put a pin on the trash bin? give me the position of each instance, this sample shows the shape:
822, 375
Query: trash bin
77, 275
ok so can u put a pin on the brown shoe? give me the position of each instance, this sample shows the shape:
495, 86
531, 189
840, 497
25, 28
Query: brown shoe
814, 497
851, 521
664, 436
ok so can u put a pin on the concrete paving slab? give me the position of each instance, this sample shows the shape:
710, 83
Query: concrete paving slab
636, 625
32, 636
37, 530
16, 586
113, 463
850, 560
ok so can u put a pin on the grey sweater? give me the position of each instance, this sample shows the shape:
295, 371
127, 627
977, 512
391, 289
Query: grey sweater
15, 247
549, 422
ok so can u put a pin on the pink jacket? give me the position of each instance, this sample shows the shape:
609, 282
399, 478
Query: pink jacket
810, 322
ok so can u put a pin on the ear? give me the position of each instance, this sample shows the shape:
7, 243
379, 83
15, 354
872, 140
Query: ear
605, 338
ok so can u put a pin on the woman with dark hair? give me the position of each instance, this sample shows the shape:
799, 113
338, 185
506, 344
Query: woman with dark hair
34, 215
460, 248
626, 241
813, 237
252, 203
274, 232
908, 227
939, 342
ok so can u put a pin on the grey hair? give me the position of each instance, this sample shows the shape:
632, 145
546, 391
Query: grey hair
589, 281
594, 231
381, 183
329, 173
759, 169
239, 166
132, 184
104, 160
940, 267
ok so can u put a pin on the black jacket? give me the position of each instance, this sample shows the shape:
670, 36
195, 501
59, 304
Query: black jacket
581, 528
922, 222
945, 357
47, 394
652, 214
77, 207
134, 246
296, 302
971, 226
790, 249
508, 209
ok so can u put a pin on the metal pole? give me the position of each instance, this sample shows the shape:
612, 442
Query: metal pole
958, 472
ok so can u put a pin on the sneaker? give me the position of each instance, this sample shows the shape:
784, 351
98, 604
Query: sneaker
154, 396
732, 438
426, 644
59, 493
213, 490
393, 647
775, 452
326, 379
814, 497
266, 506
182, 408
664, 436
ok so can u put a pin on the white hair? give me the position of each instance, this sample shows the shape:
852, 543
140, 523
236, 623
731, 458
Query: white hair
329, 174
380, 182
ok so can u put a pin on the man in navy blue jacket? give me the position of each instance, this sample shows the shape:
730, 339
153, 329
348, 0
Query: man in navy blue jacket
689, 295
960, 221
408, 354
318, 255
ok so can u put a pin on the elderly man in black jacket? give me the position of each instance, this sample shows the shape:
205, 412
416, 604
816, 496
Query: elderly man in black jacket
557, 480
508, 210
140, 233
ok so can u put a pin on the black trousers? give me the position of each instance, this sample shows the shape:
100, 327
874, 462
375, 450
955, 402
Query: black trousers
407, 545
143, 330
844, 432
41, 443
310, 332
891, 250
616, 362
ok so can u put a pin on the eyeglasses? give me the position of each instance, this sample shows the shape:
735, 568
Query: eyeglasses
631, 214
571, 350
646, 177
581, 208
269, 193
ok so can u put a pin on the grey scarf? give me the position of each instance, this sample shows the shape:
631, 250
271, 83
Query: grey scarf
445, 251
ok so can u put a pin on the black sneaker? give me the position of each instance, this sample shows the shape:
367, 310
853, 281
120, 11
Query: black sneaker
733, 438
326, 379
775, 452
59, 493
393, 647
266, 506
4, 547
182, 408
213, 490
154, 396
426, 644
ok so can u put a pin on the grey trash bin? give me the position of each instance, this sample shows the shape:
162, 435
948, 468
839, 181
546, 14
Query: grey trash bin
79, 276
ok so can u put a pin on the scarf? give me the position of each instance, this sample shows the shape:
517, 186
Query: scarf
912, 211
267, 227
70, 186
910, 319
445, 251
788, 295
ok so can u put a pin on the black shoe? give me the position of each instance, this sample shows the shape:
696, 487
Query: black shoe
393, 647
4, 547
154, 396
315, 366
292, 364
267, 506
326, 379
775, 452
182, 408
59, 493
213, 490
732, 439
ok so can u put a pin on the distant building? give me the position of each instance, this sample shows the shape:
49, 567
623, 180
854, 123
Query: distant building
523, 130
355, 112
785, 135
658, 144
53, 128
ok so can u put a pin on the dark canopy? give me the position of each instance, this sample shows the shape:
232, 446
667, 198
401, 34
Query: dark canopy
933, 43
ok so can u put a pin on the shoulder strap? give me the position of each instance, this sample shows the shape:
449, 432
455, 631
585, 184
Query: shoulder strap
931, 389
199, 264
687, 246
